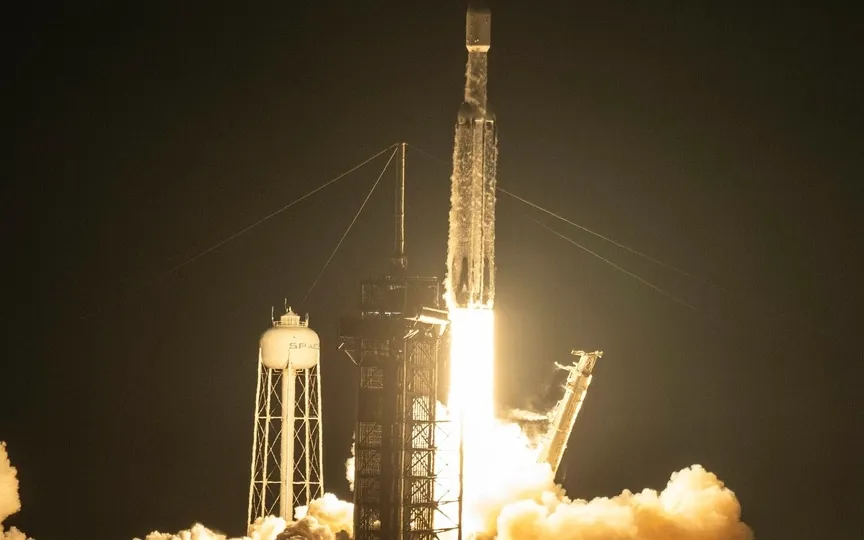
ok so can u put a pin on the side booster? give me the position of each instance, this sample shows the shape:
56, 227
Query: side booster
471, 243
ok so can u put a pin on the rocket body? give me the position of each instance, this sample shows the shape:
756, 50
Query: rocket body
471, 242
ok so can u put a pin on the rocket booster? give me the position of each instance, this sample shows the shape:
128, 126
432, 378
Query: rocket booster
471, 242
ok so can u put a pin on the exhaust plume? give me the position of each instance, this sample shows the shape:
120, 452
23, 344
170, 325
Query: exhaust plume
525, 415
349, 467
520, 500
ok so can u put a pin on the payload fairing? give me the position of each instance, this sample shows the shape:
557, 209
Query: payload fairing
471, 242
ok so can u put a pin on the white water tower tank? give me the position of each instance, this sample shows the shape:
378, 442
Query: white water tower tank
287, 448
290, 341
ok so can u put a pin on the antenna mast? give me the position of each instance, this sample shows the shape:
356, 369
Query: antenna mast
400, 262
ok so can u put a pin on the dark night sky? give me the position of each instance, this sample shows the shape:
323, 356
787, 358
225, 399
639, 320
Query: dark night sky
723, 141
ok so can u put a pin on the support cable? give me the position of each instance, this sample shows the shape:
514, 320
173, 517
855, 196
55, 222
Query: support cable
277, 212
620, 268
738, 295
589, 231
339, 243
611, 241
244, 230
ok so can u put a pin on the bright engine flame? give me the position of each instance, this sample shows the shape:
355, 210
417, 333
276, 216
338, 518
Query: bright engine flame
472, 367
509, 494
471, 400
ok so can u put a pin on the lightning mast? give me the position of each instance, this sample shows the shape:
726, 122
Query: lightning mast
563, 416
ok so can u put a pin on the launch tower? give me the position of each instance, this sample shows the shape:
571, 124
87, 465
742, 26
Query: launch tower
395, 340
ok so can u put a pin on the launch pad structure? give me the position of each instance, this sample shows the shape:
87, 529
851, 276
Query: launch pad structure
408, 457
396, 342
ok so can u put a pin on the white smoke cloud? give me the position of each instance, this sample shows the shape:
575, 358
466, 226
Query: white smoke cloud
694, 506
519, 501
349, 467
10, 503
510, 473
324, 519
267, 528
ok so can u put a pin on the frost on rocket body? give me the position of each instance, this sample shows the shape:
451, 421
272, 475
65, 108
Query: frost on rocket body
10, 503
471, 236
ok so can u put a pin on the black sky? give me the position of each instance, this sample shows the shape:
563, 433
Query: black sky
723, 141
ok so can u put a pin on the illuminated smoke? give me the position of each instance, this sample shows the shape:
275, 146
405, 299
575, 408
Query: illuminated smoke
695, 506
267, 528
527, 416
517, 501
9, 501
508, 495
324, 519
520, 501
349, 468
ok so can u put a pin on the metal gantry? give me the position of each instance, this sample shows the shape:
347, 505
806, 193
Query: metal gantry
401, 484
429, 494
399, 491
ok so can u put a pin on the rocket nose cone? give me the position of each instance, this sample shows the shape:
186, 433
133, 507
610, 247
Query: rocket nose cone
478, 27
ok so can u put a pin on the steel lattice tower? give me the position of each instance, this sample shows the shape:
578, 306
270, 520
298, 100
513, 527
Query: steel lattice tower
287, 467
396, 341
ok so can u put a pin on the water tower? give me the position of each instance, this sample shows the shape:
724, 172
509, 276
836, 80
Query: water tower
287, 469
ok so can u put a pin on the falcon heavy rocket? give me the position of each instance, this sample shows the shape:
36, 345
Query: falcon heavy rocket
471, 242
